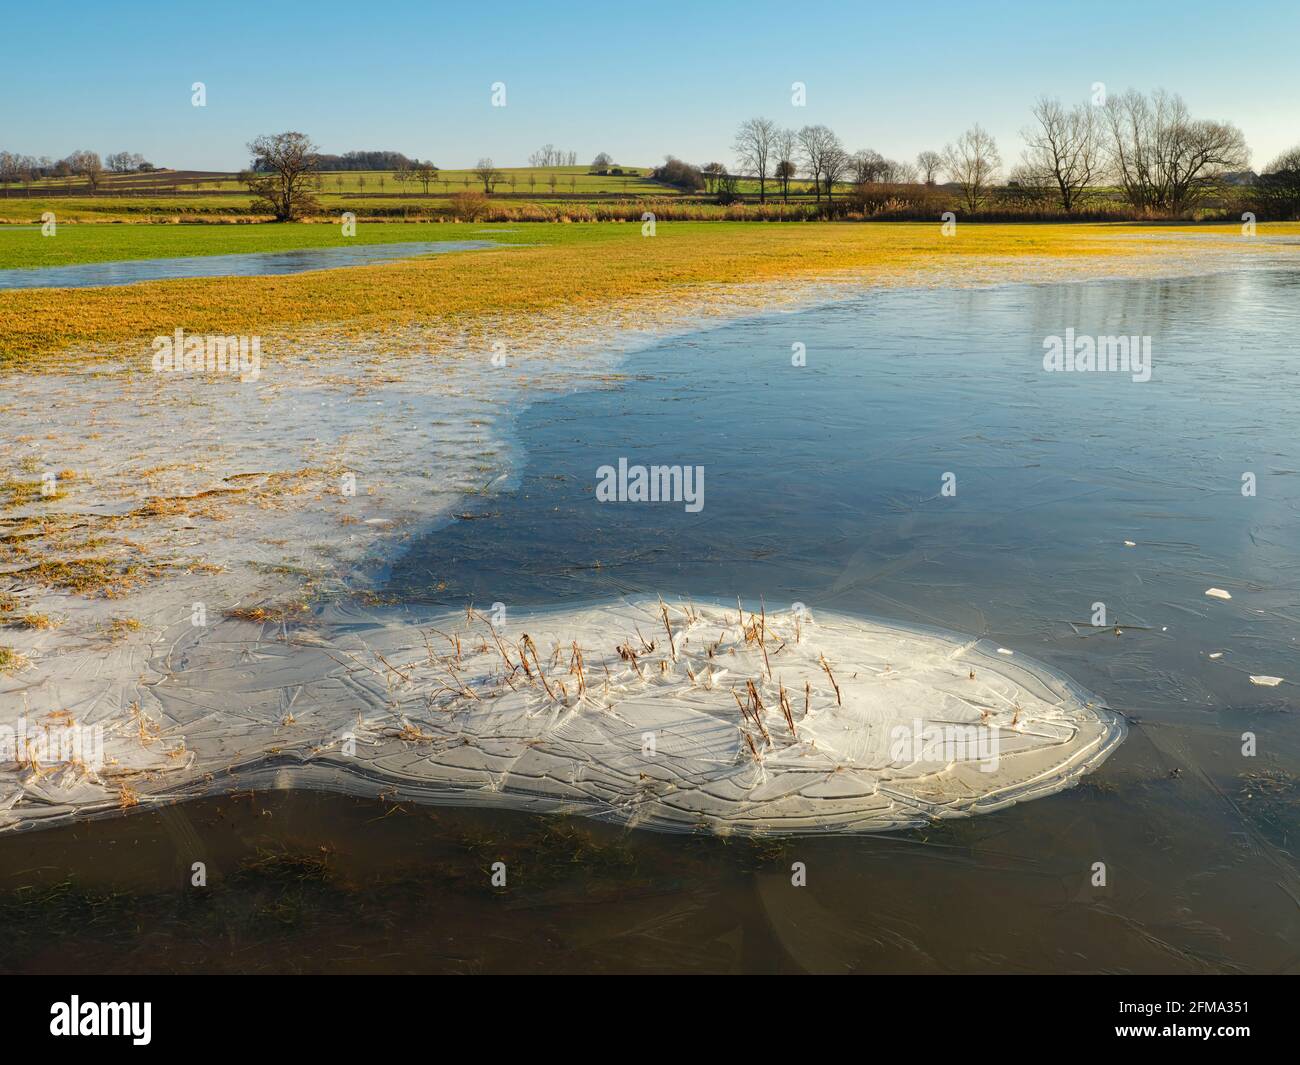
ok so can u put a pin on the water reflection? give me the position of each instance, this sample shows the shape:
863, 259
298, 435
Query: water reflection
251, 264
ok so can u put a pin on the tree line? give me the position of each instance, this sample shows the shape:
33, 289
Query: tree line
1147, 147
18, 169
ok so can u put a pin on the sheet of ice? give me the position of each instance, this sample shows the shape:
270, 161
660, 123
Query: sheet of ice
675, 717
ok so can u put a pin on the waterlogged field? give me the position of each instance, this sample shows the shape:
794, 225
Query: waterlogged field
561, 268
904, 455
23, 247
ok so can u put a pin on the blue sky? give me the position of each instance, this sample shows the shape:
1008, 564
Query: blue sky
637, 81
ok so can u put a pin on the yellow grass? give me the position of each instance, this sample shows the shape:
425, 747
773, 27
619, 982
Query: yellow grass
588, 265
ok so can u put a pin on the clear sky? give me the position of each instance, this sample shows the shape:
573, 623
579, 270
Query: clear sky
635, 80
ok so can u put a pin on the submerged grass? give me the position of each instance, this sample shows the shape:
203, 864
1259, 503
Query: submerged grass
564, 267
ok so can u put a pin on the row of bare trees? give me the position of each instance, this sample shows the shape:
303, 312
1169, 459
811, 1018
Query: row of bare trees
1149, 147
548, 155
25, 169
768, 152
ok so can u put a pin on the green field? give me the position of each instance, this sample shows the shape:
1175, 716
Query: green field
22, 246
202, 196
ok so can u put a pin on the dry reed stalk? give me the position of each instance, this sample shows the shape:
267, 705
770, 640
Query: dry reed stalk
528, 644
758, 710
501, 647
626, 653
827, 666
575, 665
672, 649
787, 712
392, 668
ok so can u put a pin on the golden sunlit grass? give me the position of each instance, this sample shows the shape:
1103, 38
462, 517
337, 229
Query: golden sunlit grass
108, 577
120, 628
274, 613
35, 621
10, 660
583, 265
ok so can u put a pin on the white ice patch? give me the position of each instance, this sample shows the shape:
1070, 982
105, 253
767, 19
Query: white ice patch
749, 724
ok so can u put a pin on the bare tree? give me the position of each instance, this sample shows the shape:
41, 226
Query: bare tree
784, 148
836, 164
1279, 185
711, 172
488, 174
754, 144
1033, 186
283, 175
602, 161
1164, 159
817, 143
785, 170
87, 165
867, 166
928, 163
10, 170
1064, 147
897, 172
425, 173
972, 163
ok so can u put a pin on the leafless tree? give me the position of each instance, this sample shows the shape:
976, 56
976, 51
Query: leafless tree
1064, 147
425, 173
973, 163
784, 148
711, 173
10, 169
1279, 185
867, 166
817, 144
928, 163
836, 165
785, 170
1032, 186
87, 165
1164, 159
283, 175
488, 173
754, 145
895, 172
